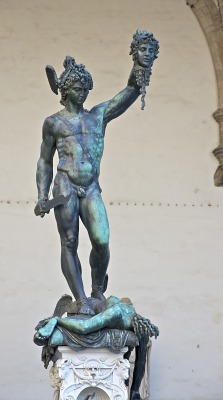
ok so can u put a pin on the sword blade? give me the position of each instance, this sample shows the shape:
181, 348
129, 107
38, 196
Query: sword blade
59, 200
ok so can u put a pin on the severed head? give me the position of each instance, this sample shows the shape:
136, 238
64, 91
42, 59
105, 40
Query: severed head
144, 48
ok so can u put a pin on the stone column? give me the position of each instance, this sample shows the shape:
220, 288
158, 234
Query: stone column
218, 152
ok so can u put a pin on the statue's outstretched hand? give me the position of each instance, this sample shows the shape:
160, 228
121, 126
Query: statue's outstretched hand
39, 209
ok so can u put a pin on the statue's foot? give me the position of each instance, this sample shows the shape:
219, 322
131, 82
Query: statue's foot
98, 296
48, 329
97, 293
84, 307
134, 395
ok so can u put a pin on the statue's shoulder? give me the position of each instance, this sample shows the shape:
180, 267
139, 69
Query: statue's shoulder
51, 122
100, 108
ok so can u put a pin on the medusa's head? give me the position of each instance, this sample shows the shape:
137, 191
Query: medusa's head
144, 48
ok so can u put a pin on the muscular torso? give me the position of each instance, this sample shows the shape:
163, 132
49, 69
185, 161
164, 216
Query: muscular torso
80, 144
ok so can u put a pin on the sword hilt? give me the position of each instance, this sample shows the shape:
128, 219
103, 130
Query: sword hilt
40, 209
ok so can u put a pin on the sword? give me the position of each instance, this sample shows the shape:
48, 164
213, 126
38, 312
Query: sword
59, 200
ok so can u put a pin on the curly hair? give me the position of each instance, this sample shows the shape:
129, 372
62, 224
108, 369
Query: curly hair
73, 72
144, 326
141, 37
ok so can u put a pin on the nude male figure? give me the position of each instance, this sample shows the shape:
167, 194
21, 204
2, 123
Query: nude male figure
78, 136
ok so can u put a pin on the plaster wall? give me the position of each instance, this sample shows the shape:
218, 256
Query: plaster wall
157, 177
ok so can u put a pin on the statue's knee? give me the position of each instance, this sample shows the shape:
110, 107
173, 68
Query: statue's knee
70, 243
102, 248
101, 238
56, 339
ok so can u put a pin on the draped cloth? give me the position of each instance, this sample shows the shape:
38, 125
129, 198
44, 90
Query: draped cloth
112, 339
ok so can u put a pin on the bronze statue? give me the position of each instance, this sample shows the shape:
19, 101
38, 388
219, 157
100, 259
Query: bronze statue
78, 136
115, 313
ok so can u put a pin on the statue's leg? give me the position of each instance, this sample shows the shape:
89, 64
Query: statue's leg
139, 368
47, 330
94, 217
110, 318
56, 339
67, 218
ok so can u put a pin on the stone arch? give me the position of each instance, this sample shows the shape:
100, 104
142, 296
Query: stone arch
210, 17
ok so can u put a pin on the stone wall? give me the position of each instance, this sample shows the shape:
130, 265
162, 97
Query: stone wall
157, 177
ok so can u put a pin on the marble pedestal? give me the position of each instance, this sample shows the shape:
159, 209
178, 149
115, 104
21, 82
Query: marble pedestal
75, 375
